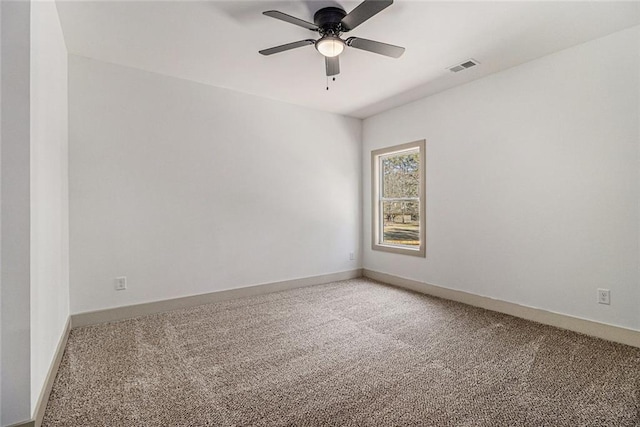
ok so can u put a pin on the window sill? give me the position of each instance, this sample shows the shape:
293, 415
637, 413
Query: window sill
402, 250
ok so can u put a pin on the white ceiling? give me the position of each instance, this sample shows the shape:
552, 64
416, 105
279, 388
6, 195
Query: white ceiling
217, 43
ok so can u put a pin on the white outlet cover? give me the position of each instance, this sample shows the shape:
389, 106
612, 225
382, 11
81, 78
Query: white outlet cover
121, 283
604, 296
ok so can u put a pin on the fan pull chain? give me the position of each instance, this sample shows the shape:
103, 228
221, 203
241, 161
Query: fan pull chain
332, 79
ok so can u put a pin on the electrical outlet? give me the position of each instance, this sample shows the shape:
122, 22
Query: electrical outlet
352, 256
121, 283
604, 296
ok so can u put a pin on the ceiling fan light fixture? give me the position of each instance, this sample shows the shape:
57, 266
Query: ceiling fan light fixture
330, 46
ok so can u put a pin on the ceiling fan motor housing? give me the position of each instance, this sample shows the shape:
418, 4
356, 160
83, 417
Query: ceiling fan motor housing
328, 20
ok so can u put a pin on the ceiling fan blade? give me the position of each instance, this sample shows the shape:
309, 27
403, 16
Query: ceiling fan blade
364, 11
332, 65
287, 46
291, 19
375, 47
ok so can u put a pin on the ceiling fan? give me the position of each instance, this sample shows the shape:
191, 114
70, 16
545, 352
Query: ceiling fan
330, 23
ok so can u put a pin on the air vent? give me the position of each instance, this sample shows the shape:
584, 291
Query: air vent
463, 66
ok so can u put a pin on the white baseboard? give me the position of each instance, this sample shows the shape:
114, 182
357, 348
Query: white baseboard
130, 311
588, 327
43, 399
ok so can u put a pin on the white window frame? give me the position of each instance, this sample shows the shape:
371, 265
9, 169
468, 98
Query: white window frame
377, 199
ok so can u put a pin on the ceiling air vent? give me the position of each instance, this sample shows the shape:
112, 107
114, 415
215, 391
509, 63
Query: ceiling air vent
464, 65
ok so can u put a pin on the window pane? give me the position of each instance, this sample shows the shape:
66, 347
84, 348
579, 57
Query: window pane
400, 175
401, 223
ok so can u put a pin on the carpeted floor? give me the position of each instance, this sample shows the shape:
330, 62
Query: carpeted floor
352, 353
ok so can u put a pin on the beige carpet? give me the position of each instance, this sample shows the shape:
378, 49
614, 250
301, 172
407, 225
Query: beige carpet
352, 353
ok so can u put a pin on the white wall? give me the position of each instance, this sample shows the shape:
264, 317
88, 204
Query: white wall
14, 217
188, 189
49, 191
532, 182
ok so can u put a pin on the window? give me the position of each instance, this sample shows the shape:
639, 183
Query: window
398, 199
